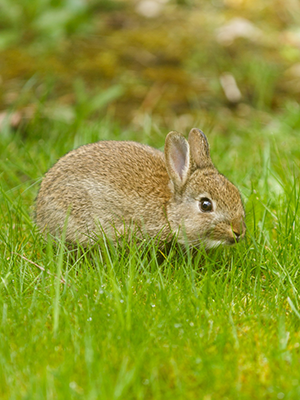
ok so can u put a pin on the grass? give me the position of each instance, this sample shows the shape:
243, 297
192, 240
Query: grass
129, 322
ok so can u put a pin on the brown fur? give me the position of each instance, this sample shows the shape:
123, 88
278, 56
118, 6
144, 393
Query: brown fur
117, 187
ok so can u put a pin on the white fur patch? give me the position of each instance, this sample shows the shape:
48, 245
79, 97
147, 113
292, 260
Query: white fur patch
212, 244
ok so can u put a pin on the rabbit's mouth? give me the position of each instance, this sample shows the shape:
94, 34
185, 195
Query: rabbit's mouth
233, 241
215, 239
228, 233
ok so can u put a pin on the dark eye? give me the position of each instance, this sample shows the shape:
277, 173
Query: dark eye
206, 205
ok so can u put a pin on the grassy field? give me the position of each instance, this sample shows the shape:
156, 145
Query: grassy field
133, 323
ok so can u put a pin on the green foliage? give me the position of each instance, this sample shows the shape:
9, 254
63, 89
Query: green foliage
130, 321
164, 68
51, 20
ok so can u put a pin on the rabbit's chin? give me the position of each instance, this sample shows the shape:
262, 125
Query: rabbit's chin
212, 243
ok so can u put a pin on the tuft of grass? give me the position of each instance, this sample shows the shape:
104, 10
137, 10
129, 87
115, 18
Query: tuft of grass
135, 322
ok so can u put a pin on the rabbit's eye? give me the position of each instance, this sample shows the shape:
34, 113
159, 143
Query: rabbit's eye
206, 205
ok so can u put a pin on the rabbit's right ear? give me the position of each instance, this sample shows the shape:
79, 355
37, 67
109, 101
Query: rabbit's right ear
199, 149
177, 155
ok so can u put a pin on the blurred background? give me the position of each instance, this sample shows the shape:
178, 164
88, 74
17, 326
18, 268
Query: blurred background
215, 64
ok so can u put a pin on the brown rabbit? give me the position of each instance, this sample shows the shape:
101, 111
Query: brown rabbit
115, 187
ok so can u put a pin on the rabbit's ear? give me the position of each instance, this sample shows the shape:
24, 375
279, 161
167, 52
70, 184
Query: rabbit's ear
199, 149
177, 154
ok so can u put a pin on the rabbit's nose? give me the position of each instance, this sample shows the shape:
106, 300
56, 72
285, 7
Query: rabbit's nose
237, 235
238, 230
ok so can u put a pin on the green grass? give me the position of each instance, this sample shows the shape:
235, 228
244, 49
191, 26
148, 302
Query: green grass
131, 323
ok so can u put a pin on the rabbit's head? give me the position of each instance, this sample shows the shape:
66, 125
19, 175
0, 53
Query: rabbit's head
205, 206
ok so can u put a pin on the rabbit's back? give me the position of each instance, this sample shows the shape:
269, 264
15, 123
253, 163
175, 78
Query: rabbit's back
105, 185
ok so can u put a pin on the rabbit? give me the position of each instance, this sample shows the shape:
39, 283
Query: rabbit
115, 187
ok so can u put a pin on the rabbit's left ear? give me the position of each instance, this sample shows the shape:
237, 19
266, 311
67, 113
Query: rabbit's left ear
177, 154
199, 149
